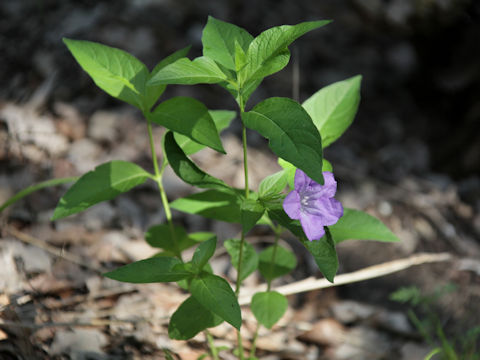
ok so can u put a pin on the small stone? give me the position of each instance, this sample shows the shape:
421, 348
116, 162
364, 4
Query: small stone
103, 126
79, 343
325, 332
414, 351
350, 311
394, 321
99, 216
84, 155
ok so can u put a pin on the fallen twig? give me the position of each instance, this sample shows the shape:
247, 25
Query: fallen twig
370, 272
91, 323
51, 249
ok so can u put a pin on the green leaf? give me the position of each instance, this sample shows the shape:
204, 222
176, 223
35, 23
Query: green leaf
291, 169
115, 71
291, 132
201, 236
333, 108
201, 70
249, 257
156, 269
153, 92
408, 294
248, 88
326, 165
273, 184
276, 261
104, 183
212, 204
240, 57
42, 185
219, 39
177, 55
204, 252
324, 253
276, 213
250, 212
323, 250
268, 52
268, 307
189, 117
215, 294
356, 224
160, 236
221, 119
189, 319
187, 170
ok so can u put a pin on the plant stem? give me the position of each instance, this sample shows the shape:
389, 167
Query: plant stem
244, 140
242, 240
240, 346
161, 189
245, 158
277, 231
211, 345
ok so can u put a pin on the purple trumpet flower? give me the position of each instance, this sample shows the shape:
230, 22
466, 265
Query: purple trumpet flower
313, 204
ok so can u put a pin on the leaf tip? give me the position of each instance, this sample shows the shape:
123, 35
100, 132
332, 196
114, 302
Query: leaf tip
330, 278
57, 214
109, 275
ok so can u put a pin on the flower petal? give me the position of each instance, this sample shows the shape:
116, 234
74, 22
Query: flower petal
330, 185
312, 226
327, 190
291, 205
302, 181
327, 210
337, 208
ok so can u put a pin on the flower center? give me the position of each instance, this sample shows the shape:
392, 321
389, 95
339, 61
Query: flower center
304, 200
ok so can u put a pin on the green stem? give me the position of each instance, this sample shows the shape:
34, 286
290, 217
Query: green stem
244, 140
211, 345
36, 187
277, 231
239, 269
240, 346
158, 179
245, 158
152, 148
242, 240
274, 255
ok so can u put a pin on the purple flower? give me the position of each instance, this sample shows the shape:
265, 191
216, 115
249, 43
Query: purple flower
313, 204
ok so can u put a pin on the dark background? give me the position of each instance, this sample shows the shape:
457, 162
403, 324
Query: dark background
420, 61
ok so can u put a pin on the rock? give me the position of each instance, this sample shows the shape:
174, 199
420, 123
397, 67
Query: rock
130, 213
30, 128
394, 321
71, 123
109, 248
351, 311
274, 341
99, 216
414, 351
84, 154
80, 344
362, 343
11, 280
103, 126
327, 332
33, 259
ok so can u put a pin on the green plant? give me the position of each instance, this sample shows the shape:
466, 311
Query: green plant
296, 133
463, 347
